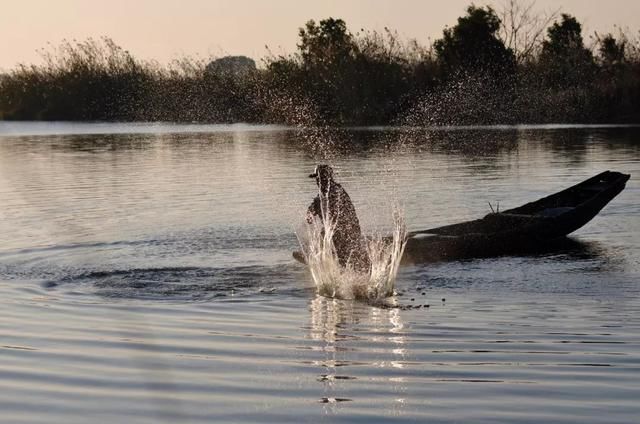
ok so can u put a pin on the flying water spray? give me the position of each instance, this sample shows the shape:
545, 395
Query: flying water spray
347, 282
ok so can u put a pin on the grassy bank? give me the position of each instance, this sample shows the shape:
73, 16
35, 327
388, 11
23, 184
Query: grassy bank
477, 73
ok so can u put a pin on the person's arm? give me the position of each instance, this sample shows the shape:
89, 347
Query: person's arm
314, 210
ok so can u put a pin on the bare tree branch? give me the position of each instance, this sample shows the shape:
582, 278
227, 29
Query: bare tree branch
522, 28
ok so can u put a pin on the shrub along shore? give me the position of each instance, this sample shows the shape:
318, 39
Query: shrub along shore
491, 67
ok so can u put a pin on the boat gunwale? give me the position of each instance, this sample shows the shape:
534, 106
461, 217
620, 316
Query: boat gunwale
615, 183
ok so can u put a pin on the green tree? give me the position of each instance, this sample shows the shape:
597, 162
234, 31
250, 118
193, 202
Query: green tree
565, 59
325, 44
473, 45
327, 51
612, 52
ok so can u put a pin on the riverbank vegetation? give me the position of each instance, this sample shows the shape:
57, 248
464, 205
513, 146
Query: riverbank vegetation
508, 66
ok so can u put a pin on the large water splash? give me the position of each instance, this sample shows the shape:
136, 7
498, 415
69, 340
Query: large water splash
345, 282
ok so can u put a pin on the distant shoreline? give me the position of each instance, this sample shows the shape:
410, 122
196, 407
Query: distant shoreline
45, 128
476, 74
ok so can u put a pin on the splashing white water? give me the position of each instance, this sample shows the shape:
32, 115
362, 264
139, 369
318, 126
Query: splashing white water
334, 280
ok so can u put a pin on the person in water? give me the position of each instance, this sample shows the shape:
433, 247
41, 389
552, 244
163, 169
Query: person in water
336, 204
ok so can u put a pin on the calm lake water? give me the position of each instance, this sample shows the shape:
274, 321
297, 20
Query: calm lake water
146, 276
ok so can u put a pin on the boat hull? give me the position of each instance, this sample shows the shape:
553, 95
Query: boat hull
529, 227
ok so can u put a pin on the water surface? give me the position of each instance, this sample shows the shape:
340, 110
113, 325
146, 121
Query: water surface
146, 276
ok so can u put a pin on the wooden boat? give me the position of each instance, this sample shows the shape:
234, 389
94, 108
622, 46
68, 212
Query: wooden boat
527, 227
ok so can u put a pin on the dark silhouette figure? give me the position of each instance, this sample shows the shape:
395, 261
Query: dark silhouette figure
334, 201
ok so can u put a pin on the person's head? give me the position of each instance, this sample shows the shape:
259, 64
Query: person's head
323, 175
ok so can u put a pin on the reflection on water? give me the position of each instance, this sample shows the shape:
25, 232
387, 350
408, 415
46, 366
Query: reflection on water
340, 326
328, 315
146, 276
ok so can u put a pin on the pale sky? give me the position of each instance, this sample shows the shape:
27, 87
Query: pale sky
167, 29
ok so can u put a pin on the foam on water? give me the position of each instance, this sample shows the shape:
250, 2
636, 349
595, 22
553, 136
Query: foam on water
336, 281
